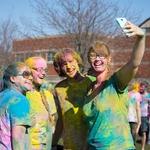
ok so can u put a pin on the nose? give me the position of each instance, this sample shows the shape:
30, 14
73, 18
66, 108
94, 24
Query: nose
68, 66
31, 77
98, 57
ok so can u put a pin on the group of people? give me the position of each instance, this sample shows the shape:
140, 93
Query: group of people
139, 111
82, 112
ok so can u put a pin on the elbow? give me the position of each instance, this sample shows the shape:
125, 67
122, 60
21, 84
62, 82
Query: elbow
135, 65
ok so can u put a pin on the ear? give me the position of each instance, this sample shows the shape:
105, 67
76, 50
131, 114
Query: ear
13, 79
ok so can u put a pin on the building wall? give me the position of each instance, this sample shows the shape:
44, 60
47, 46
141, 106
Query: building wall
122, 54
120, 47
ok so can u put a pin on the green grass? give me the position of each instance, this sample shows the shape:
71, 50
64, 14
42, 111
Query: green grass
138, 146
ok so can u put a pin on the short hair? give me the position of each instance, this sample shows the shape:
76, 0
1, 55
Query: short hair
145, 84
99, 48
57, 61
134, 85
31, 61
10, 71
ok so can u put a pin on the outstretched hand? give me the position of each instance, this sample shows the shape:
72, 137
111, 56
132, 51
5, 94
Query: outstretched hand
133, 30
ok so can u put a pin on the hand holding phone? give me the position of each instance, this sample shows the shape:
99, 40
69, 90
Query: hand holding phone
122, 22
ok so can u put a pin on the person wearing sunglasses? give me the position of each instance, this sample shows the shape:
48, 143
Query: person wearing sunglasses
105, 109
42, 105
14, 107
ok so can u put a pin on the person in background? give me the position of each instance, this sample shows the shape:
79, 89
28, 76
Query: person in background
134, 111
14, 107
144, 129
106, 104
148, 142
43, 107
1, 85
70, 92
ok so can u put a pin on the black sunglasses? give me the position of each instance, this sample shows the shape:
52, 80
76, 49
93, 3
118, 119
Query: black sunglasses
25, 74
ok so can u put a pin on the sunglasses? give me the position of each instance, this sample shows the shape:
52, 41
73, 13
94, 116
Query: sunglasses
25, 74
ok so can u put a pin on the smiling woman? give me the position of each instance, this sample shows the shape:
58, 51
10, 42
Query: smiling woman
105, 106
14, 113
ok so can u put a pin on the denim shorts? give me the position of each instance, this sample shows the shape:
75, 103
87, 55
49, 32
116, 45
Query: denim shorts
144, 124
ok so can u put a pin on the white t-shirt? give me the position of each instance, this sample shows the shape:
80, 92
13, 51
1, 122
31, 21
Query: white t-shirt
134, 98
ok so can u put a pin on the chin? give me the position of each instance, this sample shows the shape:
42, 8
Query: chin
99, 70
72, 75
40, 81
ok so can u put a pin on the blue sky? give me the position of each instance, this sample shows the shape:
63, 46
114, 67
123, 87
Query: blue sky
21, 8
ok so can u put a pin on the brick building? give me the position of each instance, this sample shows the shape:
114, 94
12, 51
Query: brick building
120, 47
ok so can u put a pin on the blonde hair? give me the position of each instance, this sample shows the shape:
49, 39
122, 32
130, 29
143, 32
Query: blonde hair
134, 86
99, 48
32, 60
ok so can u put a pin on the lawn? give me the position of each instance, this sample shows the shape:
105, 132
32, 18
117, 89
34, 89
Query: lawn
138, 146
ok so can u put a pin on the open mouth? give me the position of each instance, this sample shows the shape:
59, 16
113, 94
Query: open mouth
71, 72
98, 63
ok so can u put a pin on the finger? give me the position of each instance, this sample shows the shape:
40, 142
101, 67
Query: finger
129, 30
130, 34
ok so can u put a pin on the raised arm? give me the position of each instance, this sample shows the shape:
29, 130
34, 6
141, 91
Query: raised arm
128, 71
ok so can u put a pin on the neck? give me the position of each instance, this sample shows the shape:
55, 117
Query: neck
17, 88
77, 78
36, 86
102, 76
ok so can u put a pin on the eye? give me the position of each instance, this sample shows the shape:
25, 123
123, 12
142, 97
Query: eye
26, 73
93, 55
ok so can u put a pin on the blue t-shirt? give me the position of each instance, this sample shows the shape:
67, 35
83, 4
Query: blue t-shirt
105, 113
14, 110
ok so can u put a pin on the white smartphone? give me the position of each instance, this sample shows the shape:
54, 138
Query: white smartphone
122, 22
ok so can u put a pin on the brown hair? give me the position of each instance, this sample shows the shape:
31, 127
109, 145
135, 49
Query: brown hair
11, 70
58, 58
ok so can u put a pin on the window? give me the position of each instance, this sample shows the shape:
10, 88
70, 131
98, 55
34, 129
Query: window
50, 56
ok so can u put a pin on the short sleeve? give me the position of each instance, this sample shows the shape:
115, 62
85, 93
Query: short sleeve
115, 81
19, 109
138, 97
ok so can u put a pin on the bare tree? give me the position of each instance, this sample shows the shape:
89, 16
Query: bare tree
83, 20
7, 34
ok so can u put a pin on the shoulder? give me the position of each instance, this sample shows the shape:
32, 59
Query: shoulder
32, 94
47, 93
62, 83
91, 78
15, 96
18, 105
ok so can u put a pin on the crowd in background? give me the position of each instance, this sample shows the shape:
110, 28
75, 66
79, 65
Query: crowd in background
139, 111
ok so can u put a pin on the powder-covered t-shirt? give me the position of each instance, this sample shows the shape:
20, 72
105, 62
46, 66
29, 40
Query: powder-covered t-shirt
14, 111
105, 112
